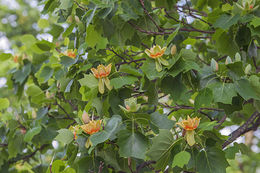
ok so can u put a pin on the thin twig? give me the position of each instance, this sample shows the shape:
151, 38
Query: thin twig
3, 145
221, 121
63, 110
101, 165
26, 157
150, 17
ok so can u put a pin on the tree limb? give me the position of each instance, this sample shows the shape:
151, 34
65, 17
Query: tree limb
26, 157
244, 128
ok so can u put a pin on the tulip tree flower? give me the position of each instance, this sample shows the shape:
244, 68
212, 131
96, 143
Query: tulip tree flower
102, 73
130, 105
70, 53
156, 52
92, 127
248, 5
190, 124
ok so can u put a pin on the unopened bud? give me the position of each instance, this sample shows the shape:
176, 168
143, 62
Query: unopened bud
173, 50
77, 19
214, 65
23, 130
228, 60
34, 114
248, 69
85, 117
237, 57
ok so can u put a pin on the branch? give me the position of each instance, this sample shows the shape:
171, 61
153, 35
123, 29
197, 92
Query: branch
117, 54
101, 165
178, 107
129, 62
3, 145
63, 110
221, 121
83, 8
150, 17
184, 23
144, 164
193, 10
244, 128
26, 157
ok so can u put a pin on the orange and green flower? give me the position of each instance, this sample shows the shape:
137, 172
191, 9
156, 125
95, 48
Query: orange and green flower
156, 53
70, 53
92, 127
189, 125
130, 105
247, 5
101, 73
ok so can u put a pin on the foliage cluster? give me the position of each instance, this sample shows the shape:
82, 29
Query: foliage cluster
117, 82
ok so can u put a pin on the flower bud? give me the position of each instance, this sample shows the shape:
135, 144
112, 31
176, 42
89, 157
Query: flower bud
85, 117
248, 69
130, 105
173, 50
214, 65
23, 130
237, 57
228, 60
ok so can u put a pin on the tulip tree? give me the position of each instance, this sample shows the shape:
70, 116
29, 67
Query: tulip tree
134, 86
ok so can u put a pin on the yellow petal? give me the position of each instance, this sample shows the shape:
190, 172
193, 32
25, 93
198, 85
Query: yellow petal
101, 87
190, 137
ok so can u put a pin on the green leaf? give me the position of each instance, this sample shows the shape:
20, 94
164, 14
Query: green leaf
226, 44
15, 145
21, 75
57, 166
92, 37
46, 73
226, 21
43, 23
223, 92
204, 98
89, 15
150, 71
172, 35
65, 136
110, 157
173, 86
34, 91
130, 70
123, 80
31, 133
181, 159
67, 61
160, 121
152, 93
188, 55
255, 22
89, 80
5, 56
112, 127
68, 30
230, 152
211, 160
4, 103
65, 4
28, 40
244, 89
132, 144
72, 151
56, 30
207, 125
162, 146
255, 83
